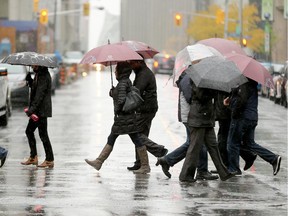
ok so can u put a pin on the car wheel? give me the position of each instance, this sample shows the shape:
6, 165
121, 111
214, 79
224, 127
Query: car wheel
4, 118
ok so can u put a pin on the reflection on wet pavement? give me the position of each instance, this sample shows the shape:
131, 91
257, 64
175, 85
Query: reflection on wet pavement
79, 130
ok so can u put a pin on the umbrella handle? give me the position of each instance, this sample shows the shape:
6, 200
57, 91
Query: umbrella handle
111, 74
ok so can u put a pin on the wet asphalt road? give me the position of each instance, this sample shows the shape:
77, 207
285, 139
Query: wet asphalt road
82, 117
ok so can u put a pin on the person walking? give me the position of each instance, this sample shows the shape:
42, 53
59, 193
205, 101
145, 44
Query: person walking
145, 81
124, 123
223, 116
201, 122
169, 160
244, 118
41, 106
3, 155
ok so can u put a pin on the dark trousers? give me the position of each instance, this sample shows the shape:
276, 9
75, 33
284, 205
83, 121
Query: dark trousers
135, 137
222, 137
152, 147
199, 136
41, 124
180, 153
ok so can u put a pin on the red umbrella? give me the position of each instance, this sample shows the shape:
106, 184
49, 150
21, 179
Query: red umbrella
110, 54
224, 46
252, 69
142, 48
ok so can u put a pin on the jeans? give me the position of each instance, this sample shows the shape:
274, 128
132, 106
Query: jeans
180, 153
233, 144
3, 152
249, 142
244, 130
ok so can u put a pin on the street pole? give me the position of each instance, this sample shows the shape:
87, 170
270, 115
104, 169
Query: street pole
226, 20
240, 22
55, 27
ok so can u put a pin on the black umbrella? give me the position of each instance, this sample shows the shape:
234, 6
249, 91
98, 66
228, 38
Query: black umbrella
30, 58
216, 73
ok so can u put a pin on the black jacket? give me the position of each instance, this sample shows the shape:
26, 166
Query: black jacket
40, 95
222, 112
145, 81
201, 112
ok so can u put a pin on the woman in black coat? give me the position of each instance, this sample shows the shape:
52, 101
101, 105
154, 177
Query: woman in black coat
124, 123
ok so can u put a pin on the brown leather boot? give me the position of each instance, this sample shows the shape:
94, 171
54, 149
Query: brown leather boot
145, 168
49, 164
33, 161
97, 163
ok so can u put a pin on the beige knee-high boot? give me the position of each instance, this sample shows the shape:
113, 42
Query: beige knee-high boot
97, 163
144, 161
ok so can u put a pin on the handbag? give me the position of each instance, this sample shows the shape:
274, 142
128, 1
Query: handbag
133, 100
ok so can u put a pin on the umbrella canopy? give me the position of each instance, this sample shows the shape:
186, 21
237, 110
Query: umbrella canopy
142, 48
186, 56
30, 58
216, 73
224, 46
110, 54
252, 69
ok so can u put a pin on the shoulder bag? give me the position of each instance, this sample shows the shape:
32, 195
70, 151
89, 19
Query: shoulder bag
133, 100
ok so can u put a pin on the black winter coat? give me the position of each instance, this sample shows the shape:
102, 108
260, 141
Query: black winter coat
201, 112
145, 81
124, 123
40, 95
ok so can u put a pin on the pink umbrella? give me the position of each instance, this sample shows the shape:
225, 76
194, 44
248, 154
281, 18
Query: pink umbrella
252, 69
110, 54
224, 46
142, 48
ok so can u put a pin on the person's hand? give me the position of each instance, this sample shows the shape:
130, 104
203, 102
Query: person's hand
28, 77
226, 101
28, 113
111, 91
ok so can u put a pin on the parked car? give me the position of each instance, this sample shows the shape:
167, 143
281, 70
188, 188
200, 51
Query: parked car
5, 97
17, 83
163, 64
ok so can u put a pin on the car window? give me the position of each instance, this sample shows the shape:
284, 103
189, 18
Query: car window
14, 69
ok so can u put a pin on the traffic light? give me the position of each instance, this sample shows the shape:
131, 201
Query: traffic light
43, 16
86, 9
35, 5
220, 16
178, 19
244, 42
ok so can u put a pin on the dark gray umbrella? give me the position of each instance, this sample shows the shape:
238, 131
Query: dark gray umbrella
216, 73
29, 59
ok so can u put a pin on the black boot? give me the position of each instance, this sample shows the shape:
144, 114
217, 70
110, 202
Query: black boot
136, 166
165, 166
